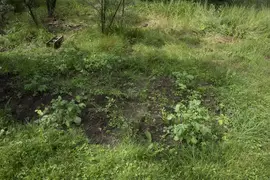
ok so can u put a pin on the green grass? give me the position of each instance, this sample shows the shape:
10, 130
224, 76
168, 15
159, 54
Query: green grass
225, 47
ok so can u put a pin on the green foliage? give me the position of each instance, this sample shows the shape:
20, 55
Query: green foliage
193, 124
37, 84
101, 62
212, 43
17, 4
5, 8
61, 113
183, 80
5, 123
32, 151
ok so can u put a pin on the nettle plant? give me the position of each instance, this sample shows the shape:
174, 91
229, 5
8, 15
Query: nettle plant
61, 113
193, 124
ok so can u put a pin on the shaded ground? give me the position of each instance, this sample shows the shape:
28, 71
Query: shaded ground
22, 105
100, 121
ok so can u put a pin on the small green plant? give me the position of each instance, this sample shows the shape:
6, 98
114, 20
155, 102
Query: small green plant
61, 113
116, 117
37, 84
183, 79
193, 124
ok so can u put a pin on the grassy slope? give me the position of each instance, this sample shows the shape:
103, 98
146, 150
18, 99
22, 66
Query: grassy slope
226, 46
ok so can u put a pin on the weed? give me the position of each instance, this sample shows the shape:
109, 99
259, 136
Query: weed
37, 83
61, 113
192, 124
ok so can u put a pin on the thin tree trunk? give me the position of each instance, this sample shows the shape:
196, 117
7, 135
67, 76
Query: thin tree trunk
48, 7
123, 12
51, 7
102, 15
33, 16
114, 15
28, 5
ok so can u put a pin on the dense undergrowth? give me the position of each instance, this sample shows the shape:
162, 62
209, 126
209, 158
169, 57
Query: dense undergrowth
181, 92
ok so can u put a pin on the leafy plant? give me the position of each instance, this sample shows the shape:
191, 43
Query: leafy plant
183, 79
192, 124
116, 117
61, 113
37, 84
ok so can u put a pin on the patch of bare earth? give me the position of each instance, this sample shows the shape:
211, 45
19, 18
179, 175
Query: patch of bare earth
147, 114
95, 122
22, 105
144, 115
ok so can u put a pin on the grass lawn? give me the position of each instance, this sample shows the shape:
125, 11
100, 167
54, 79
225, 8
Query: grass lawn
120, 88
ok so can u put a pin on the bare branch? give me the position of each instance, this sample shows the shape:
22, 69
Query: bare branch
117, 9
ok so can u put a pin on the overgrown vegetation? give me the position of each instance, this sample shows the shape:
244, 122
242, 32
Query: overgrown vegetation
165, 90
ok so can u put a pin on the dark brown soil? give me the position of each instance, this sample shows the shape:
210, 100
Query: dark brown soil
22, 105
95, 126
23, 108
144, 114
5, 87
